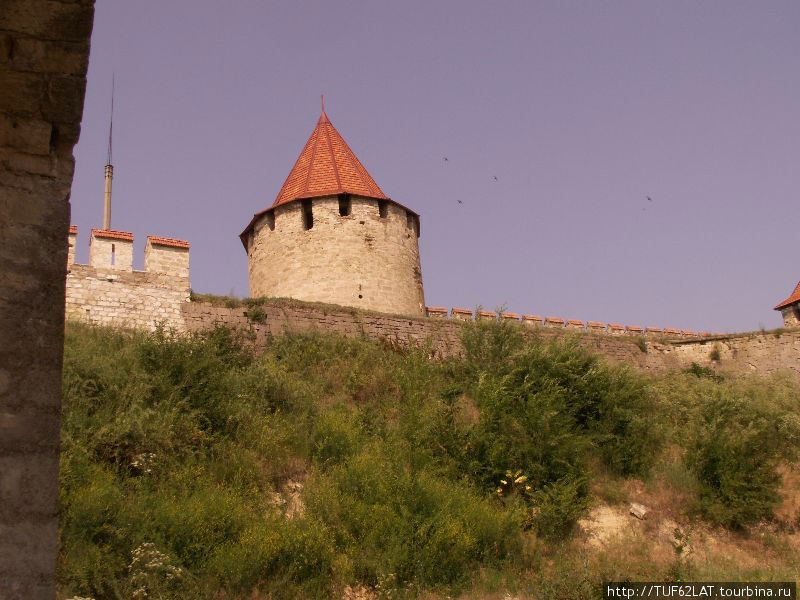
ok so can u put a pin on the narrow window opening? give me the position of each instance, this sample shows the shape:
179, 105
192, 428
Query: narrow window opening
409, 220
113, 254
270, 218
383, 208
344, 205
308, 215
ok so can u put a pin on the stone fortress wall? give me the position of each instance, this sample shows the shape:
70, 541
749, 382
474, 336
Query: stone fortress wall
762, 353
344, 250
108, 291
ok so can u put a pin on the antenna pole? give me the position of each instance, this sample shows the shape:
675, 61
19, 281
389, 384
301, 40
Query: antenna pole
109, 169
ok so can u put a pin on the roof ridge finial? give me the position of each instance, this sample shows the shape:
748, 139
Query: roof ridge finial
323, 117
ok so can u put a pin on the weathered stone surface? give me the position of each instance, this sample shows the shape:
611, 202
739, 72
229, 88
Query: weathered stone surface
361, 260
44, 49
761, 353
28, 135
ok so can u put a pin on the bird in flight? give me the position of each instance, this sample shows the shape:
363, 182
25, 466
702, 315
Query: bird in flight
444, 158
649, 199
460, 202
495, 177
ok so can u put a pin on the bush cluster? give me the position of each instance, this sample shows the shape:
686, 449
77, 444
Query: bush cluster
182, 455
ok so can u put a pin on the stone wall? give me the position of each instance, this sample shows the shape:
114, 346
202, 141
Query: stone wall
361, 260
791, 316
125, 299
762, 353
44, 51
115, 295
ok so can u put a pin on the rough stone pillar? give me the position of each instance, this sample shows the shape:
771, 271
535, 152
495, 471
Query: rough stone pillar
44, 49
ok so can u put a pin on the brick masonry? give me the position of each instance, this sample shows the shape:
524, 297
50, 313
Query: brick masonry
44, 53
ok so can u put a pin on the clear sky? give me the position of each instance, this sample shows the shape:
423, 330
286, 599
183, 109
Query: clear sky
580, 109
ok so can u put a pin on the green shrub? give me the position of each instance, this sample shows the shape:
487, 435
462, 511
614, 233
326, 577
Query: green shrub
256, 314
558, 506
735, 453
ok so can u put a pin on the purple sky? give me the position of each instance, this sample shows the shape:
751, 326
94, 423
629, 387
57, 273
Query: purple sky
581, 110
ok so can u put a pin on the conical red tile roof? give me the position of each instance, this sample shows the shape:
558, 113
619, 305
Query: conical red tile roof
326, 167
795, 297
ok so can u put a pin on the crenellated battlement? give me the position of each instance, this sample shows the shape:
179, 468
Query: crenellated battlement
113, 250
109, 291
466, 314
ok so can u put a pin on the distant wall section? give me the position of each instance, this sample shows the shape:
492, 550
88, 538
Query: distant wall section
758, 353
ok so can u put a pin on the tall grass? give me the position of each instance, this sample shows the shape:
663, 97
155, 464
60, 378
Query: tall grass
183, 457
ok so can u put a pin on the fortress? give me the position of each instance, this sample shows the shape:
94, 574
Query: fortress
334, 253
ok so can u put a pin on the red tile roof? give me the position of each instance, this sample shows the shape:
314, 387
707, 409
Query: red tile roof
795, 297
509, 315
73, 229
531, 318
634, 328
113, 234
555, 320
172, 242
575, 322
436, 309
461, 311
326, 167
596, 324
616, 326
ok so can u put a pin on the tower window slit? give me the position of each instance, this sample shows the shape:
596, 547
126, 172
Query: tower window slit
113, 254
270, 219
383, 208
344, 205
308, 215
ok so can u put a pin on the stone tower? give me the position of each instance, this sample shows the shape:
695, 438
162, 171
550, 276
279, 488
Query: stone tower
333, 236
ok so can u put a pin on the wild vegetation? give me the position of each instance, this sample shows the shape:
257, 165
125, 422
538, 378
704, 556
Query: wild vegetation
328, 467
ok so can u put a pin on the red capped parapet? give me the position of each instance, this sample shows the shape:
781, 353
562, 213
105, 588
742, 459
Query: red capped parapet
437, 312
464, 314
487, 315
635, 330
554, 322
654, 331
672, 332
509, 316
532, 320
72, 238
597, 326
616, 329
111, 249
575, 324
168, 256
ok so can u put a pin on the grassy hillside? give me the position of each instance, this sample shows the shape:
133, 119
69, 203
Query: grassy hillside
327, 467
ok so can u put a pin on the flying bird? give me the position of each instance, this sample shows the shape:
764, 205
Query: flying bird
495, 177
444, 158
460, 202
649, 199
